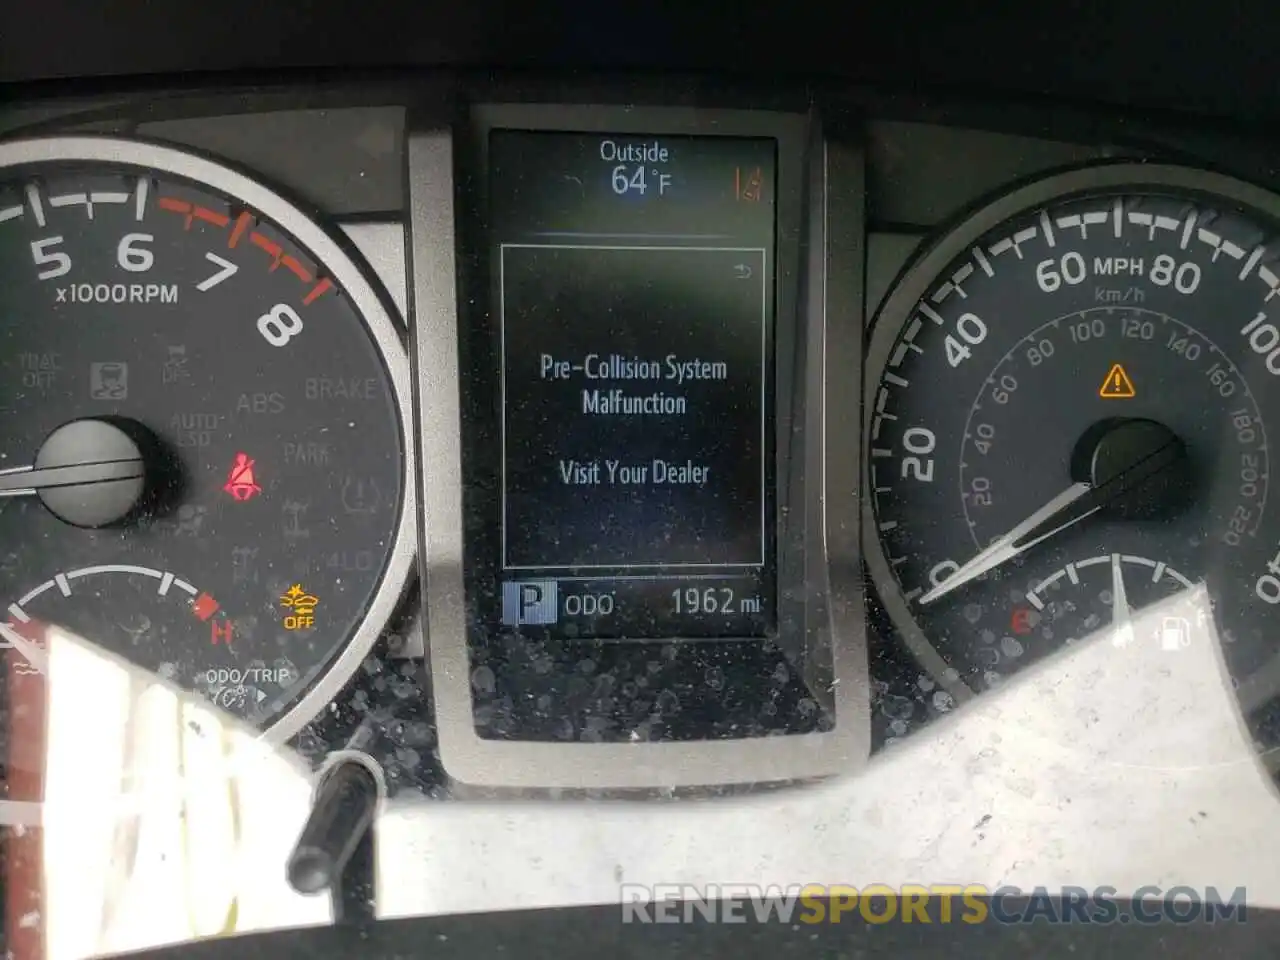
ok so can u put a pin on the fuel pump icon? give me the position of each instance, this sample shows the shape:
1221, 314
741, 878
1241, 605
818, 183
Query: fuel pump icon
1175, 633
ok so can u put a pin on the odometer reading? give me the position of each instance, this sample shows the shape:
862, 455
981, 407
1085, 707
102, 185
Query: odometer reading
202, 460
1068, 421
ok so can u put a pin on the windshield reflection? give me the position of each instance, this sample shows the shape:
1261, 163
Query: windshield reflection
1120, 763
139, 816
162, 820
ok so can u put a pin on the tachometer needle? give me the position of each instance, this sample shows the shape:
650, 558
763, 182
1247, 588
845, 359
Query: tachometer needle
1122, 628
29, 651
1020, 539
26, 481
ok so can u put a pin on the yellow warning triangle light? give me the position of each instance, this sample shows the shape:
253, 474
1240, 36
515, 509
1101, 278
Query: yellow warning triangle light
1117, 385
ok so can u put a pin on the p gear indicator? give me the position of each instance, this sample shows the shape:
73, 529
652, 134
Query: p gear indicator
530, 602
1117, 385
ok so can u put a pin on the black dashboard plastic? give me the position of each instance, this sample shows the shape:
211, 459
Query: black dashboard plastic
1179, 58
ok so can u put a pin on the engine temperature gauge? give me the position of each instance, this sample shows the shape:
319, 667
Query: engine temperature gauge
161, 607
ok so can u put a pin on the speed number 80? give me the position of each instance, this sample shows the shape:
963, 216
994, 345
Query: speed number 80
1072, 270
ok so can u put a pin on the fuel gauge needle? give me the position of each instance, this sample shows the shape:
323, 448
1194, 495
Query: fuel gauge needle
31, 652
1121, 624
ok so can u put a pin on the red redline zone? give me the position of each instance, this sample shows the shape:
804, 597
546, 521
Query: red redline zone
191, 213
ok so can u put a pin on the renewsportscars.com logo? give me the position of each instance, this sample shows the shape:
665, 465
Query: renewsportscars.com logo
926, 903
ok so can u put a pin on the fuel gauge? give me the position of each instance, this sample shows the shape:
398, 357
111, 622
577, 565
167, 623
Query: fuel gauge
1117, 598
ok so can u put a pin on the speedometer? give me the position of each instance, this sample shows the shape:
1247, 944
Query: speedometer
1068, 409
204, 453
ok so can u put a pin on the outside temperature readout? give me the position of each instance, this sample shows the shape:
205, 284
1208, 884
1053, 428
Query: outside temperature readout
631, 175
632, 287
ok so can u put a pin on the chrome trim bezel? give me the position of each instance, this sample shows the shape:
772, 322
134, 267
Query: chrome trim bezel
833, 357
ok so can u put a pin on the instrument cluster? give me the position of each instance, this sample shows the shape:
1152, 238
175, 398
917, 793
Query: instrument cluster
520, 442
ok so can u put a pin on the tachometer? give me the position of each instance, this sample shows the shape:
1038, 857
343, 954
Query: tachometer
1068, 408
204, 454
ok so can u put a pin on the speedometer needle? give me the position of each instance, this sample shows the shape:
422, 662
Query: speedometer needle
1021, 538
29, 480
1119, 458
